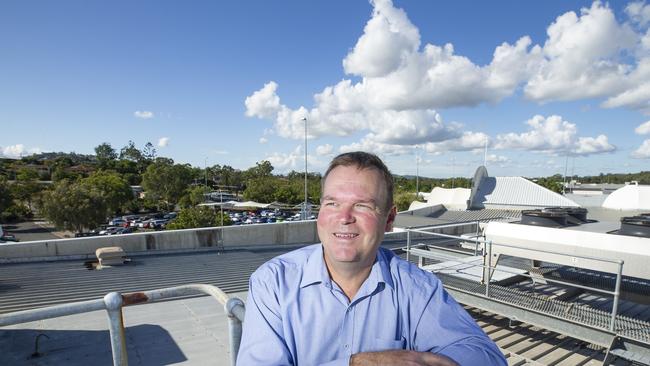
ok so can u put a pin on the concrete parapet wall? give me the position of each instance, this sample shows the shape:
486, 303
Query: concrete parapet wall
289, 233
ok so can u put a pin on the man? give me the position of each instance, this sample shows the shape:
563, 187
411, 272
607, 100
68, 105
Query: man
349, 302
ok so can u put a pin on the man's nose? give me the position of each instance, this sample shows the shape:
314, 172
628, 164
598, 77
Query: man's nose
346, 214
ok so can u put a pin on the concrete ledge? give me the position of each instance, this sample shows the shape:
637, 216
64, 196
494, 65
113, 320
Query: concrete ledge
289, 233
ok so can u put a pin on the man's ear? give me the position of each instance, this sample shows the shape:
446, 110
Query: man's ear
391, 219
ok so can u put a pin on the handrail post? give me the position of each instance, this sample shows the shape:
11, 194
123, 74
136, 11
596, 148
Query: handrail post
488, 269
234, 309
476, 238
617, 294
113, 302
408, 244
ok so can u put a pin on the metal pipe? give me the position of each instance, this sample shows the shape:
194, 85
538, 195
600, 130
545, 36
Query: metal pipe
234, 308
617, 294
488, 271
113, 303
55, 311
408, 245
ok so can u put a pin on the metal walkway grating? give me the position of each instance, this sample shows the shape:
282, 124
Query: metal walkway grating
625, 326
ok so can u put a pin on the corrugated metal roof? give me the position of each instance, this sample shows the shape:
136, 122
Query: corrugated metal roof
441, 217
518, 191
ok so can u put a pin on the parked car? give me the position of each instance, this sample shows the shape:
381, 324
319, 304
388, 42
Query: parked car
169, 216
157, 224
117, 222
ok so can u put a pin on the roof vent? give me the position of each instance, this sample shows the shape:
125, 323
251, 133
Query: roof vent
110, 256
636, 225
547, 217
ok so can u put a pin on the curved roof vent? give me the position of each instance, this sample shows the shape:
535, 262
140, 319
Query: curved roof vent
547, 217
636, 225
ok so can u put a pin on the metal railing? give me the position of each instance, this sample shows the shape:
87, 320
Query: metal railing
488, 269
114, 302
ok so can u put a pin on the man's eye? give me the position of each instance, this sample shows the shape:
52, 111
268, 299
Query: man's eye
364, 206
330, 204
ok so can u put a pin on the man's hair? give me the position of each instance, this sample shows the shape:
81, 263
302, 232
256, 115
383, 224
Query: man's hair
364, 160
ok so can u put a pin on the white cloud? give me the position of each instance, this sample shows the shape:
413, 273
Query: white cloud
143, 114
324, 149
399, 85
388, 40
466, 142
643, 152
370, 145
264, 103
295, 160
590, 145
18, 150
638, 12
580, 56
555, 136
263, 140
643, 129
163, 142
493, 158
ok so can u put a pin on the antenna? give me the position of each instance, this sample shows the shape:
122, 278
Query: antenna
485, 153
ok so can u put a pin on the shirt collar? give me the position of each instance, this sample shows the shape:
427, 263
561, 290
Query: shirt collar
316, 271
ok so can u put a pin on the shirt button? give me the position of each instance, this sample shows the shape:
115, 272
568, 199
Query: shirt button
347, 346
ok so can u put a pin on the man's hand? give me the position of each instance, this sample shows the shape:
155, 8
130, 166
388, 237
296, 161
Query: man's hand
400, 357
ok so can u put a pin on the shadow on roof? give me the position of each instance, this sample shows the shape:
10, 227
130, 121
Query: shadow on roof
147, 344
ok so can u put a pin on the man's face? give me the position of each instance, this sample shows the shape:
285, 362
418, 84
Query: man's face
353, 216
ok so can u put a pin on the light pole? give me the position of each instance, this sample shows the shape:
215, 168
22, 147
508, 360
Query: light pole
417, 174
304, 209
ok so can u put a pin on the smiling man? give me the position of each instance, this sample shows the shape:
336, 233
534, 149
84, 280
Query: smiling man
347, 301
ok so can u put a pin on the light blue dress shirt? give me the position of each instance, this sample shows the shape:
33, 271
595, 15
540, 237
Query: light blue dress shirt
296, 315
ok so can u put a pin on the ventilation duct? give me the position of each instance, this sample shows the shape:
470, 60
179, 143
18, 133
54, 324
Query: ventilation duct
635, 226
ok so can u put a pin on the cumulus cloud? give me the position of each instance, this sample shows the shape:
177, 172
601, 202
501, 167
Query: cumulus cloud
643, 129
468, 141
163, 141
263, 140
553, 135
324, 149
493, 158
287, 161
143, 114
18, 150
643, 152
580, 56
264, 103
638, 12
399, 84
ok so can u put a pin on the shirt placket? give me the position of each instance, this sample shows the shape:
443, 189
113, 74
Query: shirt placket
348, 326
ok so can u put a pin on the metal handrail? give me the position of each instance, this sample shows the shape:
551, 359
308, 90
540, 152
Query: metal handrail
113, 303
488, 247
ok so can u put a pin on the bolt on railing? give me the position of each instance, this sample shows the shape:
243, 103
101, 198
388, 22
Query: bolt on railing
114, 302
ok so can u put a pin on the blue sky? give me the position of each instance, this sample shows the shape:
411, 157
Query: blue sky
546, 84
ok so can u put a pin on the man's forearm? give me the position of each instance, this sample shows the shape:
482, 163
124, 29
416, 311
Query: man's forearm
400, 357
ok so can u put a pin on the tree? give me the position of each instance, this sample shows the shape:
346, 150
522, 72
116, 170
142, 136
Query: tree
105, 154
194, 217
74, 206
114, 190
130, 152
6, 196
149, 152
261, 189
260, 170
26, 186
165, 182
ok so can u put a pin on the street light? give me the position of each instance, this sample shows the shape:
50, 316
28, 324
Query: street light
304, 209
417, 174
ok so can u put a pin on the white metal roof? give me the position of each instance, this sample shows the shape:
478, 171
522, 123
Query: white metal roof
495, 192
630, 197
